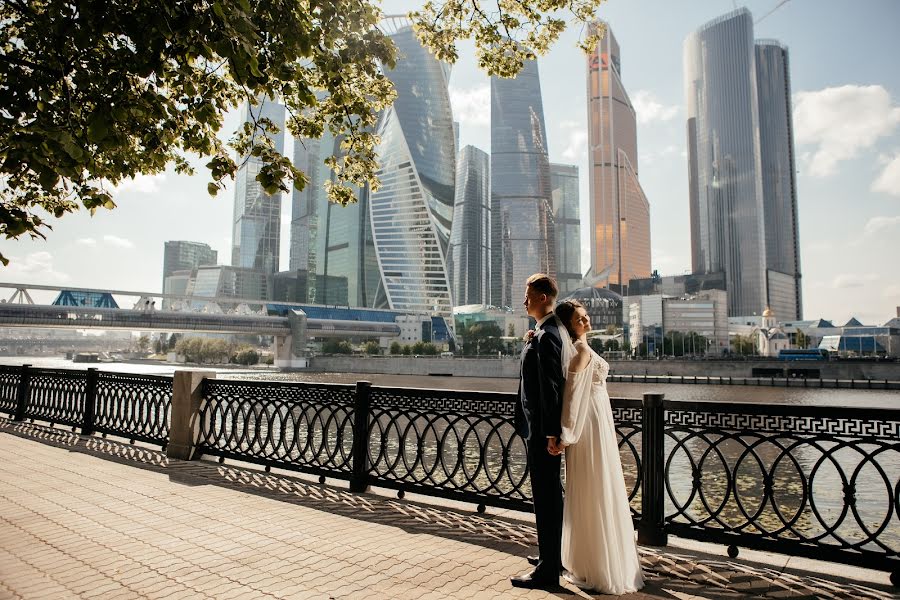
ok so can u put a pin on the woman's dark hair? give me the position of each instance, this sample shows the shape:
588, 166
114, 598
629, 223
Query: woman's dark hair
565, 310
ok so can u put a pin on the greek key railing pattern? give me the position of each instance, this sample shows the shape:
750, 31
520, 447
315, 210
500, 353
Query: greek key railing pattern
299, 426
810, 481
57, 396
460, 445
9, 387
134, 406
627, 417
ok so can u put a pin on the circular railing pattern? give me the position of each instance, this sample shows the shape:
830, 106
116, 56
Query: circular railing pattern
57, 396
464, 446
831, 482
134, 406
9, 387
306, 427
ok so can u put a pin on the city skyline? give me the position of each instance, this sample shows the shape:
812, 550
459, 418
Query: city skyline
846, 253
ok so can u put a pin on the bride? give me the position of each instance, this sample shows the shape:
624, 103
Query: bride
598, 543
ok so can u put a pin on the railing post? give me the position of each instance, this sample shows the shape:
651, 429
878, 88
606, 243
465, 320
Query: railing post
651, 528
359, 480
184, 428
22, 393
90, 399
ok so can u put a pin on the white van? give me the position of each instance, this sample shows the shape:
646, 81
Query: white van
446, 355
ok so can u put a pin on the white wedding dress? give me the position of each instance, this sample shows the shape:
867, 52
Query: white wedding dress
599, 550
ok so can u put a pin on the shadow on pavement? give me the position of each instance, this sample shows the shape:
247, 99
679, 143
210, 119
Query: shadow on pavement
671, 574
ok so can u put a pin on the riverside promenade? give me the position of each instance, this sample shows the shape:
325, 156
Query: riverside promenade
86, 517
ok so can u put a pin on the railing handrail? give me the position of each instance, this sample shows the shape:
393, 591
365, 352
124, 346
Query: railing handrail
792, 410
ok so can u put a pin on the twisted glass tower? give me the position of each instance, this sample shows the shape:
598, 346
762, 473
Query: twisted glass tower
522, 236
469, 259
619, 211
412, 211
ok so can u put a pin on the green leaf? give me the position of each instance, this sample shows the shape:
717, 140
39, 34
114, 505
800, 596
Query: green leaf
212, 188
98, 129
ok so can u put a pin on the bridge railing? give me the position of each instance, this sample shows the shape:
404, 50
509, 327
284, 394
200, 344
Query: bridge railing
820, 482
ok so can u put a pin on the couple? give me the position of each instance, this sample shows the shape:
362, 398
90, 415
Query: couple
563, 407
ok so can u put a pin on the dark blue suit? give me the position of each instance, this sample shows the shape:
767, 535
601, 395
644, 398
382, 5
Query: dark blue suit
538, 414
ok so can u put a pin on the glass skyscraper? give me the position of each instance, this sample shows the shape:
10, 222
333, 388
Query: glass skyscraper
412, 211
257, 215
469, 258
185, 256
619, 211
567, 226
522, 236
779, 185
740, 159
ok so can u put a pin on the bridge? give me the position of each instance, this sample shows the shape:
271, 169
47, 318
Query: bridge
290, 324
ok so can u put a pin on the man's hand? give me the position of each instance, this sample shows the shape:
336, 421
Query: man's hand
552, 448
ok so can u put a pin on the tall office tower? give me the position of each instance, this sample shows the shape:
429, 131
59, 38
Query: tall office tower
619, 211
412, 212
779, 186
522, 236
567, 225
257, 215
737, 131
469, 258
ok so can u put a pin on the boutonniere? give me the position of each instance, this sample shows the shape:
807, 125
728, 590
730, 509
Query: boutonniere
528, 335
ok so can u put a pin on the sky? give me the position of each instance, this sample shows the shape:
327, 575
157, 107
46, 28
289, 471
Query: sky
846, 97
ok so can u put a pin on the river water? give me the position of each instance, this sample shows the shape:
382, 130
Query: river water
672, 391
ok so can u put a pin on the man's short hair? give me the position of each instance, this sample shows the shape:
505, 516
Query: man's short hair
543, 284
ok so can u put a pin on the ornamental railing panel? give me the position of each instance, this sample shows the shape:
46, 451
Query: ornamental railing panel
56, 396
820, 482
298, 426
9, 387
463, 445
138, 407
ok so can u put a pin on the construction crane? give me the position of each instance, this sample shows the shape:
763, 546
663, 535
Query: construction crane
777, 6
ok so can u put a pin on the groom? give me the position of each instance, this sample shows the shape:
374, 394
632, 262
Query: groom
538, 422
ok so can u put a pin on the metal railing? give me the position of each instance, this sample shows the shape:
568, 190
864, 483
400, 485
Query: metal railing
821, 482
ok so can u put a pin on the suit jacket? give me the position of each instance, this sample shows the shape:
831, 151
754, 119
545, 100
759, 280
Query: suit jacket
541, 384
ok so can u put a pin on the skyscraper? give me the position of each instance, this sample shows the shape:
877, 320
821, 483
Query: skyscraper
469, 258
779, 186
522, 236
619, 211
257, 215
412, 211
185, 256
740, 159
567, 225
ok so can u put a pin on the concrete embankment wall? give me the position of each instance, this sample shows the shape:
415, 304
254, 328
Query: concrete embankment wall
509, 367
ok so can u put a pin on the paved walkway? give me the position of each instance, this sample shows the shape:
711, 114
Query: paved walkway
94, 518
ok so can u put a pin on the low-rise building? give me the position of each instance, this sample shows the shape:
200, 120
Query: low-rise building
658, 325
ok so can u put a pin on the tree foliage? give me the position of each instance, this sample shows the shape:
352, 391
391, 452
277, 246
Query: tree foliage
93, 93
481, 338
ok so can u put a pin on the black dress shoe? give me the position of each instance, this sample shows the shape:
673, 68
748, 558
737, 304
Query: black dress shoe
535, 580
533, 560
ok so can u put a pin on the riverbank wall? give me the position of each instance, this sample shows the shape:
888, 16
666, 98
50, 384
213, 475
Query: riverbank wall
662, 371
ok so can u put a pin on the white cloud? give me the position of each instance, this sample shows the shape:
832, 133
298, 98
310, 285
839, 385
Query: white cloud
471, 106
86, 242
889, 180
648, 109
118, 242
37, 266
853, 280
877, 224
141, 184
841, 121
577, 146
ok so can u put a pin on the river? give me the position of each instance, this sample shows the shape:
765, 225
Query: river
672, 391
